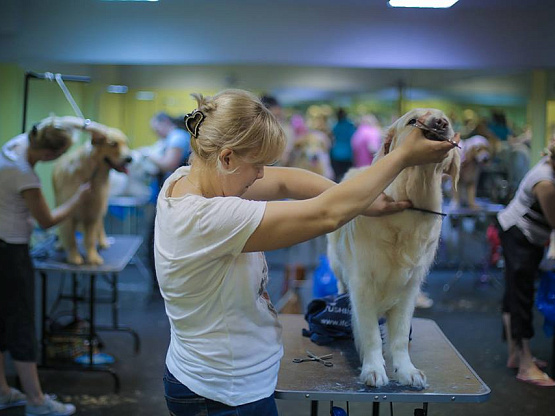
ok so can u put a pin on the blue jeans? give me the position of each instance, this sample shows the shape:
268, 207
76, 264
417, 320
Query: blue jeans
183, 402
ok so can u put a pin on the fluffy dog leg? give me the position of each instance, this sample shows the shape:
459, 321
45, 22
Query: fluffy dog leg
101, 235
398, 326
367, 338
91, 232
66, 231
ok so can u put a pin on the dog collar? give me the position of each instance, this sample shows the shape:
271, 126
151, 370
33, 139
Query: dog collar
428, 211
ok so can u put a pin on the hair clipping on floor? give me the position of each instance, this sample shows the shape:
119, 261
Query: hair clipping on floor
193, 121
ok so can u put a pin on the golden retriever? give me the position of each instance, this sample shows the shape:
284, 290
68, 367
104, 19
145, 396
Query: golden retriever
382, 261
311, 152
91, 162
475, 153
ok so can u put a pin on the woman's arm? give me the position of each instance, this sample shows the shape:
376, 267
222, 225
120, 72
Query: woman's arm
286, 223
41, 212
545, 192
293, 183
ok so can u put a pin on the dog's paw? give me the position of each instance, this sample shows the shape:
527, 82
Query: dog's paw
104, 244
75, 258
95, 259
374, 376
411, 377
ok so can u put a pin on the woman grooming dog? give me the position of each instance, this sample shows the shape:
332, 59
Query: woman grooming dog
525, 226
212, 224
22, 199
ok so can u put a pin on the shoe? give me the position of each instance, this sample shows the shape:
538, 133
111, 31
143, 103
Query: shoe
543, 381
50, 407
13, 399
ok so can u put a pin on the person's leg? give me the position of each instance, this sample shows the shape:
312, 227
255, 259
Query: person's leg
522, 260
4, 387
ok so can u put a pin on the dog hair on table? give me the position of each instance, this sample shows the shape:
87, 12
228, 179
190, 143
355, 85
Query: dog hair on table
382, 261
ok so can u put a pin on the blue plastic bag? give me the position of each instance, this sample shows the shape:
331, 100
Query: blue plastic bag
324, 281
545, 301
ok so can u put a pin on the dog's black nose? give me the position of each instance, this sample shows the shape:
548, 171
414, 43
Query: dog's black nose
440, 124
128, 159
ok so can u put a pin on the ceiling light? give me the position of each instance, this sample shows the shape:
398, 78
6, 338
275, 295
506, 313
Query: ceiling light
435, 4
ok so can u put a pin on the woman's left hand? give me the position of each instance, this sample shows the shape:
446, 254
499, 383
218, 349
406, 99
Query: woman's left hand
385, 205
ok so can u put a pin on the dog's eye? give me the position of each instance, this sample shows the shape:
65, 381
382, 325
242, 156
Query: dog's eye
411, 122
112, 144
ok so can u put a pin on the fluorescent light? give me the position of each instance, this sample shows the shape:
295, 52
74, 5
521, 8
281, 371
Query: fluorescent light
435, 4
127, 0
117, 89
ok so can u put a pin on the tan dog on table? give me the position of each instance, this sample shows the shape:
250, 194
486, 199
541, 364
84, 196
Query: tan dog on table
91, 162
311, 152
382, 261
475, 153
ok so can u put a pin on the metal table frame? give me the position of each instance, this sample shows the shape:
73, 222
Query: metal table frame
116, 258
450, 377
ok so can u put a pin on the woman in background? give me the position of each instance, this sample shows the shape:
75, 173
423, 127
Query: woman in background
22, 200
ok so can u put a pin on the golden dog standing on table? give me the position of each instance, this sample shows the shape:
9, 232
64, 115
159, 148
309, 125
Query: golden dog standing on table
382, 261
91, 162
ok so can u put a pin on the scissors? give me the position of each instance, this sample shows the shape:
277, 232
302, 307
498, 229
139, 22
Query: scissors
314, 357
438, 135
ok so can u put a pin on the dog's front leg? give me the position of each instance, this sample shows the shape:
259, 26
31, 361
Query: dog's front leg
368, 339
90, 240
398, 327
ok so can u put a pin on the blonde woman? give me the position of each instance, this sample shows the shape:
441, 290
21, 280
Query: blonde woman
21, 199
212, 225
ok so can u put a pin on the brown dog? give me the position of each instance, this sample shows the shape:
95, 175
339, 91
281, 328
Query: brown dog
311, 152
91, 162
475, 153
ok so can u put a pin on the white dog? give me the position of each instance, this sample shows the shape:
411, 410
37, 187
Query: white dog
382, 261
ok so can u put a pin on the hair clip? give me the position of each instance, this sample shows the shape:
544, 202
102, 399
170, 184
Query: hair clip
193, 121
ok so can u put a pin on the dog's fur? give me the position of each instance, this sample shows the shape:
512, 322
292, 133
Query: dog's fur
382, 261
475, 153
311, 152
91, 162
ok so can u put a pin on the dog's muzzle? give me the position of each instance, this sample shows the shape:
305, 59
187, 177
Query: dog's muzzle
435, 129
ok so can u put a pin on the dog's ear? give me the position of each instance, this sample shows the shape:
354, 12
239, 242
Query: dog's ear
384, 150
454, 168
98, 140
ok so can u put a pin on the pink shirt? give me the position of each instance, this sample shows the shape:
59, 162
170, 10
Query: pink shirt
365, 143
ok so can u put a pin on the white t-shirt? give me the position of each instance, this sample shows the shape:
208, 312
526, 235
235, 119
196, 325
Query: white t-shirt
225, 335
16, 176
524, 210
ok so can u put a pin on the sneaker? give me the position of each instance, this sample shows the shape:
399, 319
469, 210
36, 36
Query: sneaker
12, 399
50, 407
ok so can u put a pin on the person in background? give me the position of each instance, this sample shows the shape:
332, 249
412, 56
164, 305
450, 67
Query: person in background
341, 153
21, 201
272, 104
366, 141
524, 228
213, 223
174, 148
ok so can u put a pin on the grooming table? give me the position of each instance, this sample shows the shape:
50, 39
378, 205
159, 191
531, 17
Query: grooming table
486, 214
116, 258
450, 378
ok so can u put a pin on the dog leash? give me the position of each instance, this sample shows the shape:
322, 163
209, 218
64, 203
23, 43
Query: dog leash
428, 211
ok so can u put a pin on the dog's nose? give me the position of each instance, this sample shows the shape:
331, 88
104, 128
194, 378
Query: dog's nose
128, 159
440, 124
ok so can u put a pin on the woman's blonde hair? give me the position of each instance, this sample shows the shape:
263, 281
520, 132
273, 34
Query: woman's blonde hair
50, 134
237, 120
